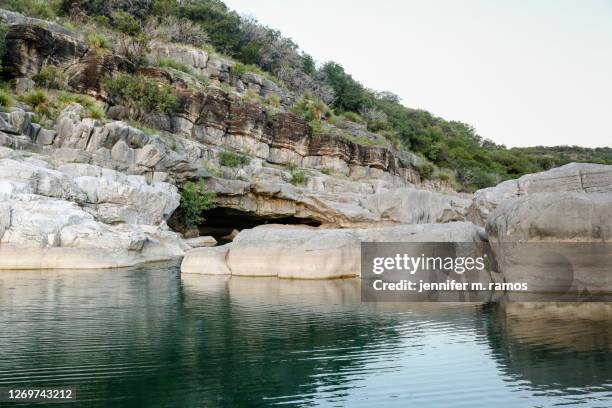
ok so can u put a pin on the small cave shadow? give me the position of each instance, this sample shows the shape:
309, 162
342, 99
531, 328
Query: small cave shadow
220, 222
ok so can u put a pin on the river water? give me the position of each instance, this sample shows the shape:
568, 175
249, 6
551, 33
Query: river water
149, 337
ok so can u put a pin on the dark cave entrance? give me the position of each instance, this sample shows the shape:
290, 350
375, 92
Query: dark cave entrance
220, 222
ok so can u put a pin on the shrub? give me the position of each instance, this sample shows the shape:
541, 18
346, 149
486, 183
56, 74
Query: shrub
352, 117
425, 171
102, 21
299, 178
97, 41
239, 69
34, 8
177, 30
142, 95
50, 77
350, 94
36, 98
174, 64
126, 23
362, 140
251, 95
444, 177
310, 108
231, 159
42, 103
316, 126
3, 31
93, 110
194, 201
273, 101
6, 98
133, 48
49, 105
308, 64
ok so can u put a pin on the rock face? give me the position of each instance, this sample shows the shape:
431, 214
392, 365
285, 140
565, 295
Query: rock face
333, 203
555, 242
28, 47
87, 74
309, 253
577, 177
370, 195
81, 216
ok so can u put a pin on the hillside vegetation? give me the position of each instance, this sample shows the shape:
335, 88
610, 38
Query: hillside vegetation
451, 150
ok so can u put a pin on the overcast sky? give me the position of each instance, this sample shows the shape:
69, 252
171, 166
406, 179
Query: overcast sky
523, 73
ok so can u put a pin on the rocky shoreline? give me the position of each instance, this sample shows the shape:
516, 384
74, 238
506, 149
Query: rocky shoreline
82, 193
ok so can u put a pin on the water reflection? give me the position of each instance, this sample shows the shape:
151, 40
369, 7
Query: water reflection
150, 337
562, 347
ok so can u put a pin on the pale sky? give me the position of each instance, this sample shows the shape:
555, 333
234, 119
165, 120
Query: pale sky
523, 73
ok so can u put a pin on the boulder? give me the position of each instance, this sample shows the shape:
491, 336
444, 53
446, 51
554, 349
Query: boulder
81, 216
555, 242
199, 242
313, 253
579, 177
207, 261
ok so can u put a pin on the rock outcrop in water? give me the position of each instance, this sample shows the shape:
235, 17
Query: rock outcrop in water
552, 229
577, 177
310, 253
58, 214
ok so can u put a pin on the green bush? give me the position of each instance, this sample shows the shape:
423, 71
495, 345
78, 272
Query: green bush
352, 117
194, 201
362, 140
93, 110
50, 77
273, 100
239, 69
3, 31
98, 42
102, 21
310, 108
6, 98
49, 104
42, 9
126, 23
37, 99
444, 177
251, 96
231, 159
299, 178
174, 64
308, 64
425, 171
142, 94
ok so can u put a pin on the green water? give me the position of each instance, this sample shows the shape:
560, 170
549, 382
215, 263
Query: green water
149, 337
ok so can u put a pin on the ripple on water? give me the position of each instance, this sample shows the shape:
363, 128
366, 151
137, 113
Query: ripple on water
150, 337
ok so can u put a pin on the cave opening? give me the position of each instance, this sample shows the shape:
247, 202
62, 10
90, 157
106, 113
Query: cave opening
221, 223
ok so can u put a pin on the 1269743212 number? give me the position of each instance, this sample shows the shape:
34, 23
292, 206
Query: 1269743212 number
9, 394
